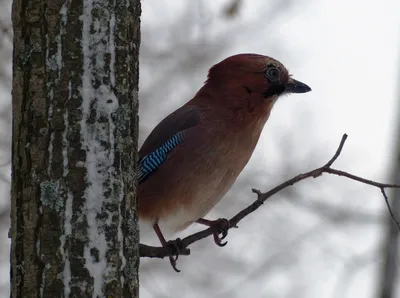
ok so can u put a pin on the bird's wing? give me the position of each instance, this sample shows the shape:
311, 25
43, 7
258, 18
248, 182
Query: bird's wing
166, 136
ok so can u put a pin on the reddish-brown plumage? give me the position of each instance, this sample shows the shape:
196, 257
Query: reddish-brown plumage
222, 124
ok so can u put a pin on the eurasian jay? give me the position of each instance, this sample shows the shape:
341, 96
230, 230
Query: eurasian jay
192, 157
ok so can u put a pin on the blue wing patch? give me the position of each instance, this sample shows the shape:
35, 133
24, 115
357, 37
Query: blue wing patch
149, 163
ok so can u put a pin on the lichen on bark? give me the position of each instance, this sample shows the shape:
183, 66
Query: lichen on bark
58, 146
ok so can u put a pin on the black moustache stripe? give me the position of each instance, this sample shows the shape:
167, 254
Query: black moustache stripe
274, 90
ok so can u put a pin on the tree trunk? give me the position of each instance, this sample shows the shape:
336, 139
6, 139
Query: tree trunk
75, 128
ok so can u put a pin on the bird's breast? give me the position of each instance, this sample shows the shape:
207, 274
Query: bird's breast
195, 177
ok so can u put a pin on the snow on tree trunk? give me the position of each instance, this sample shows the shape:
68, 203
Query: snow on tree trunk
75, 128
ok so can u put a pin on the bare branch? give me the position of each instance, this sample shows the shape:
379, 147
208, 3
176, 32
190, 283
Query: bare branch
389, 208
161, 252
360, 179
337, 153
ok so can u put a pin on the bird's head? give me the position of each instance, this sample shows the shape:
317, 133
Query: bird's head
253, 74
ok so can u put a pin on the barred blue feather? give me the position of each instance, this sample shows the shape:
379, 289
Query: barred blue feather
149, 163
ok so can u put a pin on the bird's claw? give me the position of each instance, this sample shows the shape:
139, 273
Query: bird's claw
173, 264
176, 246
222, 226
218, 240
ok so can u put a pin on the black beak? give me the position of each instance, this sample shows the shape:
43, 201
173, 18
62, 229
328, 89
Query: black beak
294, 86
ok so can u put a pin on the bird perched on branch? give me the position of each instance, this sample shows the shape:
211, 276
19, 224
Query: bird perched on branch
192, 157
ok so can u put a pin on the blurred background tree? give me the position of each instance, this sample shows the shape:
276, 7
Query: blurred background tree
322, 238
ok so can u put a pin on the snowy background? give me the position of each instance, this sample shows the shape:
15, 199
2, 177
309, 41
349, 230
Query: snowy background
320, 238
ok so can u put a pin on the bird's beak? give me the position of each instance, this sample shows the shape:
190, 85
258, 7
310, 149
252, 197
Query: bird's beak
294, 86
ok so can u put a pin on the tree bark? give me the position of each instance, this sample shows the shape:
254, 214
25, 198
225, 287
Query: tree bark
74, 149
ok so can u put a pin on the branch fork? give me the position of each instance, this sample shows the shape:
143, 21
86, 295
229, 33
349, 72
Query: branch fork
161, 252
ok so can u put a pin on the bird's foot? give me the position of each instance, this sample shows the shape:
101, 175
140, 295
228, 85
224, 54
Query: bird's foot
176, 246
220, 227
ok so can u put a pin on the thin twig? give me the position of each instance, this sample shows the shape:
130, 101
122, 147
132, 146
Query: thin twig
360, 179
337, 153
389, 208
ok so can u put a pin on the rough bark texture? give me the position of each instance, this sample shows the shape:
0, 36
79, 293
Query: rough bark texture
74, 224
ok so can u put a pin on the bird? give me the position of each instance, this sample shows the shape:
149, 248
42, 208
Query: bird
194, 155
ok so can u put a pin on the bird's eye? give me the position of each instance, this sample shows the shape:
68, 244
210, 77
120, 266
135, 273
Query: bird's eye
273, 74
